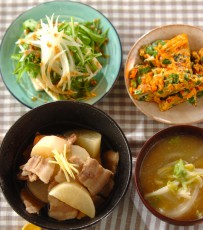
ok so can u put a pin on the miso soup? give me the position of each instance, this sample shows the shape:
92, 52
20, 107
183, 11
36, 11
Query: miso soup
172, 177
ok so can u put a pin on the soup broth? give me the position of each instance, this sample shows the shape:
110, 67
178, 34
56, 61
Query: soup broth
171, 149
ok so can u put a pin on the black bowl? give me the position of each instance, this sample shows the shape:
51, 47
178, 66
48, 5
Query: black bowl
58, 117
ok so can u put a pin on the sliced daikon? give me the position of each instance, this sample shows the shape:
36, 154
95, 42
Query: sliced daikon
39, 190
75, 195
47, 144
88, 139
80, 152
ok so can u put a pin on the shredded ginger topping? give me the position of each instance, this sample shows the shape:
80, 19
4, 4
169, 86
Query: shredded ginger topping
68, 168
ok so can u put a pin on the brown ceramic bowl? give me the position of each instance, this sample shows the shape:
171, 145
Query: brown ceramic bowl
55, 118
150, 143
172, 116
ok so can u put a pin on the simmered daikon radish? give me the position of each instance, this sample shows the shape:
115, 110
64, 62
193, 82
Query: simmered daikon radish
39, 190
80, 152
77, 197
47, 144
90, 140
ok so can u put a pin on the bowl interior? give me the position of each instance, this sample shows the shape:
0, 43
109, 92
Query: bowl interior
150, 143
172, 116
24, 91
55, 118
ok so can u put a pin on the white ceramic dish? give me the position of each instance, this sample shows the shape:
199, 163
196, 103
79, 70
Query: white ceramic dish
183, 113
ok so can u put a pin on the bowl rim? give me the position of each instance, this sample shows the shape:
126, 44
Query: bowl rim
64, 103
126, 71
66, 2
141, 155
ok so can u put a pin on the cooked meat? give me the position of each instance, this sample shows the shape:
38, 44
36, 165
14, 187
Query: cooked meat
111, 159
27, 176
61, 211
60, 177
80, 215
71, 139
52, 184
93, 176
32, 204
78, 161
105, 192
38, 167
98, 201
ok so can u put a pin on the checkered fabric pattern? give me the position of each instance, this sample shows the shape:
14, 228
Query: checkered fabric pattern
131, 18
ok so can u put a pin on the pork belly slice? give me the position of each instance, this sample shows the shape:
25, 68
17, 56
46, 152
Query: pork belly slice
80, 215
98, 201
32, 205
93, 176
38, 167
61, 211
78, 161
71, 140
106, 190
111, 159
60, 176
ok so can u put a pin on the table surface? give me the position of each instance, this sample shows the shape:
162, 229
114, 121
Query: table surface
131, 19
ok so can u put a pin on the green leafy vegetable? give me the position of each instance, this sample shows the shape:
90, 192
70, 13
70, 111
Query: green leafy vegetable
191, 100
137, 92
166, 61
62, 56
179, 171
177, 57
95, 36
186, 77
143, 70
30, 24
200, 93
172, 79
151, 49
157, 42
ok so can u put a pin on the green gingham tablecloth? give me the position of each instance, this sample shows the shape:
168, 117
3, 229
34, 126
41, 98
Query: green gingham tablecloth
131, 19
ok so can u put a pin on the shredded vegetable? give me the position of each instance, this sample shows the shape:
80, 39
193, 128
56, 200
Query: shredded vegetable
61, 58
182, 183
68, 168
